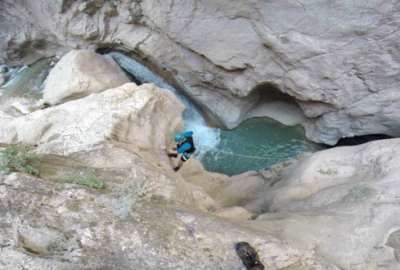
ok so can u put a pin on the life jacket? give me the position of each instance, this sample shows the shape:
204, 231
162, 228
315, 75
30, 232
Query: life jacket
188, 140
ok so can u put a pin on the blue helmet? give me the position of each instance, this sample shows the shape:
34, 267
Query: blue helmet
179, 137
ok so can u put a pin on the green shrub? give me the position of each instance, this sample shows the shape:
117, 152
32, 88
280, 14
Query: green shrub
19, 158
88, 180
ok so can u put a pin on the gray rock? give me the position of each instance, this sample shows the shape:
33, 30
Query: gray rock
88, 7
2, 79
335, 64
81, 73
346, 195
331, 60
82, 230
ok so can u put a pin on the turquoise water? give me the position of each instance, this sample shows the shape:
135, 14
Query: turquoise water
27, 81
192, 119
255, 145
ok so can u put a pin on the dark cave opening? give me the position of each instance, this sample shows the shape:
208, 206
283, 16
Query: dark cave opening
357, 140
267, 92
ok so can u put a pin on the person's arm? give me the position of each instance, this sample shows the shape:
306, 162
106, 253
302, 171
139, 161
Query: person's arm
170, 150
180, 150
174, 149
183, 148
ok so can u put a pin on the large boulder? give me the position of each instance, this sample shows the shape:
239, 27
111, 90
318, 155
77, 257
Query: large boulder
118, 134
364, 171
80, 73
330, 66
143, 117
343, 202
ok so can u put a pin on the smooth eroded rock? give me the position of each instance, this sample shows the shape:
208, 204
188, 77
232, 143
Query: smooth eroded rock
80, 73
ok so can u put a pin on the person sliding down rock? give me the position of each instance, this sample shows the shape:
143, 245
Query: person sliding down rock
185, 147
249, 256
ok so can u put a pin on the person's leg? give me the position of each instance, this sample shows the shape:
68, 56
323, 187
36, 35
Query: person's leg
181, 161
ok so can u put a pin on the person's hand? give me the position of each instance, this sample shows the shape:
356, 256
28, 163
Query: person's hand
163, 148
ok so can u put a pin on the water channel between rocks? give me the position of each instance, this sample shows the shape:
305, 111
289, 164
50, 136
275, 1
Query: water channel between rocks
253, 146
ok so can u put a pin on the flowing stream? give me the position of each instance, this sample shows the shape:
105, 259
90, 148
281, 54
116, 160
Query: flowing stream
193, 120
255, 145
27, 81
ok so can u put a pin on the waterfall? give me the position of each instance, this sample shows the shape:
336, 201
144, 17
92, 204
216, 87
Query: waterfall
193, 120
254, 145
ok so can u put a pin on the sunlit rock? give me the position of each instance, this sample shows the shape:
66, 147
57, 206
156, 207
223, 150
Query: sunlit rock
143, 117
80, 73
86, 228
334, 59
331, 66
343, 201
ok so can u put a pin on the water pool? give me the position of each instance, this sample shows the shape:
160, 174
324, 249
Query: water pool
255, 145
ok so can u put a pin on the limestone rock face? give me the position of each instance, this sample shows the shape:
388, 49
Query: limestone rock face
134, 115
84, 229
342, 203
342, 200
80, 73
336, 209
331, 66
146, 217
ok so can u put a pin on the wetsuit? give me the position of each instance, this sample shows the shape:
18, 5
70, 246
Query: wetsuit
186, 148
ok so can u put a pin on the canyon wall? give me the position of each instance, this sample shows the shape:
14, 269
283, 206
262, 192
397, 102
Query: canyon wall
332, 66
334, 209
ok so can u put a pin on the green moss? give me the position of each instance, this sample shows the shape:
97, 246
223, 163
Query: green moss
19, 158
88, 180
328, 171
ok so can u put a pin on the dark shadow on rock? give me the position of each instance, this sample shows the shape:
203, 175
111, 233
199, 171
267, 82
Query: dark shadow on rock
356, 140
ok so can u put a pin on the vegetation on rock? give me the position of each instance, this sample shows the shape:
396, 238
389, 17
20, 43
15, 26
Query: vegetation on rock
88, 180
126, 204
19, 158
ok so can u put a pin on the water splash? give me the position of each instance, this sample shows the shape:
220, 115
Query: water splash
230, 152
193, 120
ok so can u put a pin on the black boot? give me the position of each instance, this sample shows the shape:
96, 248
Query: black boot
176, 168
249, 256
173, 155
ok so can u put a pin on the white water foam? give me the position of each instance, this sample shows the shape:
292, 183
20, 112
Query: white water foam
193, 120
